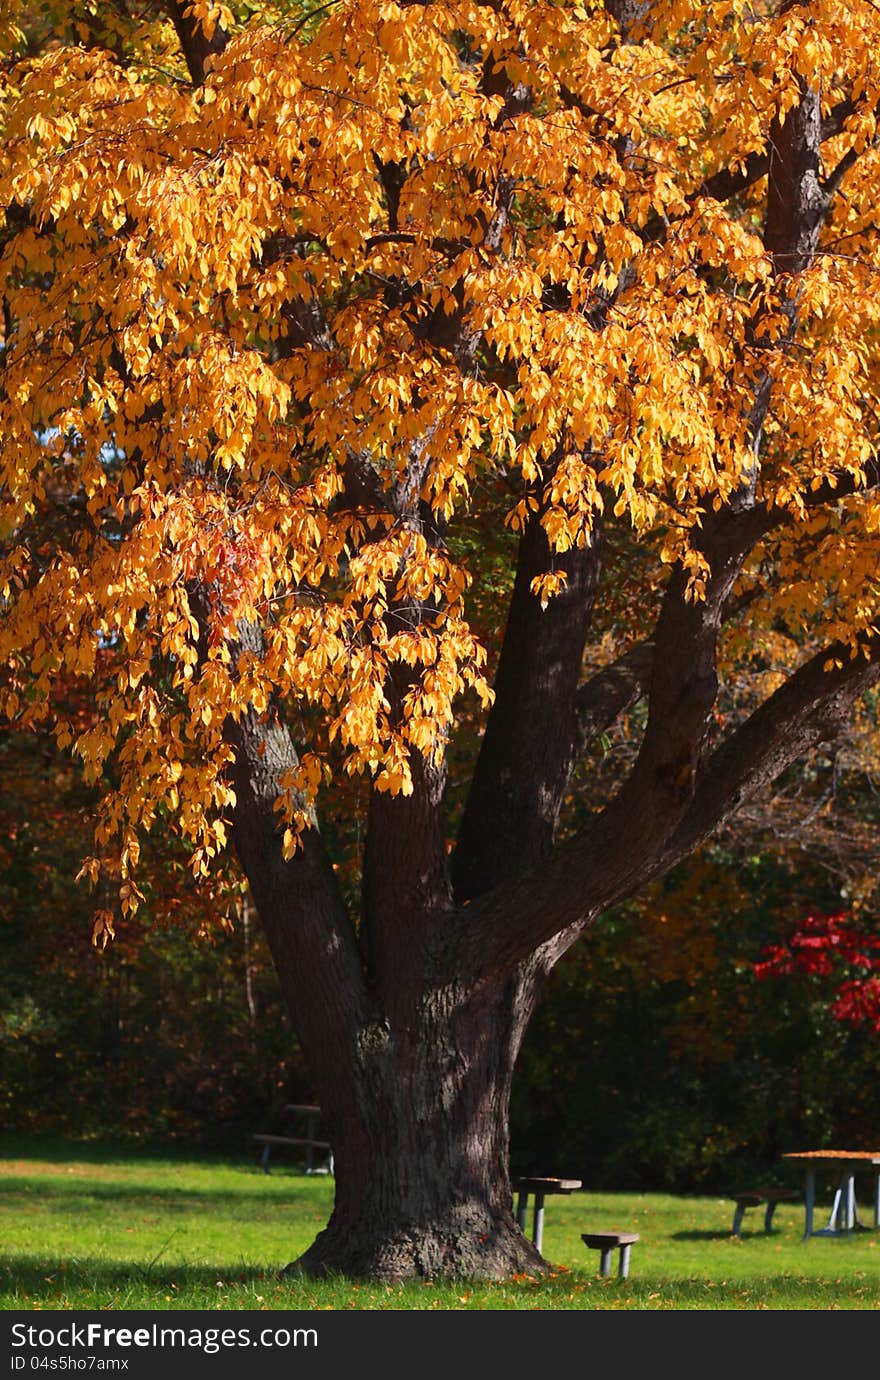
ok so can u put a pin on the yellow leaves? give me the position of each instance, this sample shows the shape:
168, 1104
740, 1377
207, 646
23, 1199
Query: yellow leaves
394, 776
130, 898
268, 342
698, 572
621, 244
103, 929
546, 586
209, 14
721, 240
11, 34
89, 871
52, 132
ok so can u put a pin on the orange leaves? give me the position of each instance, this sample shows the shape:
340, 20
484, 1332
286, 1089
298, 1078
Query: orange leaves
208, 13
103, 929
545, 586
266, 343
717, 238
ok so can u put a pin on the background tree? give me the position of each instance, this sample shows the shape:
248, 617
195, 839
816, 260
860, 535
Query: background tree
294, 309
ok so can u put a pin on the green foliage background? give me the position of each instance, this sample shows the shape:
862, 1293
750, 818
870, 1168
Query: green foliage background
656, 1059
153, 1038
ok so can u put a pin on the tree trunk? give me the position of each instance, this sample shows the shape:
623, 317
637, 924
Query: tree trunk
413, 1070
421, 1154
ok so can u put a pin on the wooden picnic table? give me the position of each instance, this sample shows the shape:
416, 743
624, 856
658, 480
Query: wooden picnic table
844, 1164
540, 1187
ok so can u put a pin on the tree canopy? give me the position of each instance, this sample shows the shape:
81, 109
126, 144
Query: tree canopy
301, 311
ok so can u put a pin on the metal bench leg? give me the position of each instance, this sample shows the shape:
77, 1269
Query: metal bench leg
605, 1261
850, 1196
738, 1218
264, 1158
809, 1203
624, 1262
538, 1221
768, 1216
837, 1209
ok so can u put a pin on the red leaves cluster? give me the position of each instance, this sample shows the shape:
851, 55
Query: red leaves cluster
232, 567
858, 1002
832, 946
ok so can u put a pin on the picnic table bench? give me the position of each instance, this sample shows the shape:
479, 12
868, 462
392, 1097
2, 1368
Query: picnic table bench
309, 1140
754, 1197
605, 1242
540, 1187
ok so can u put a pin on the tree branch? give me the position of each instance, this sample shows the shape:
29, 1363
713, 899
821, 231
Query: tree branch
307, 926
602, 698
528, 747
405, 872
631, 840
810, 708
605, 862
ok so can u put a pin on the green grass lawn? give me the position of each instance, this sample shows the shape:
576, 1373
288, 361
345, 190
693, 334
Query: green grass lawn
87, 1226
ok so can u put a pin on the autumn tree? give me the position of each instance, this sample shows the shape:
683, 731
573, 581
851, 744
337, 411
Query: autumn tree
297, 309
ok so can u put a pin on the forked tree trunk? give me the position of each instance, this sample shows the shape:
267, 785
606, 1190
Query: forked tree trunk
412, 1064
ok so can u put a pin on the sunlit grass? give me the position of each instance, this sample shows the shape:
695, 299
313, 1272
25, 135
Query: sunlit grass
92, 1227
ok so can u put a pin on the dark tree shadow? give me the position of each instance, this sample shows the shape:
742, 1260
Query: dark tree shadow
65, 1193
721, 1235
43, 1277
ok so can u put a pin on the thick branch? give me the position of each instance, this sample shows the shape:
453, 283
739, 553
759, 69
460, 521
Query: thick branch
614, 689
684, 682
605, 696
729, 182
515, 788
797, 205
810, 708
631, 840
528, 747
605, 863
307, 927
405, 871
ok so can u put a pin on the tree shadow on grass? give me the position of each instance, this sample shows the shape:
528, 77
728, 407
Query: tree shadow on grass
43, 1280
720, 1235
59, 1155
44, 1277
65, 1192
55, 1149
